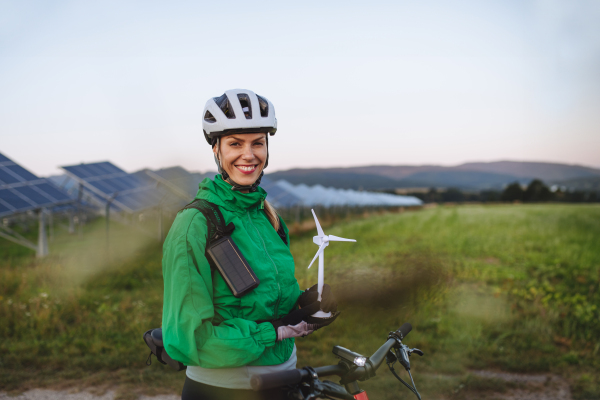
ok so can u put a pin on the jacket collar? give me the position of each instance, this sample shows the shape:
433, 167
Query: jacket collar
219, 192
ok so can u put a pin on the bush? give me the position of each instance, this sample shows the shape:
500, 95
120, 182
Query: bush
537, 191
513, 192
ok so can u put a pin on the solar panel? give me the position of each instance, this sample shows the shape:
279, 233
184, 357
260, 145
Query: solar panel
120, 184
110, 183
22, 191
6, 177
33, 195
233, 267
21, 173
4, 209
30, 197
53, 191
14, 200
106, 189
109, 168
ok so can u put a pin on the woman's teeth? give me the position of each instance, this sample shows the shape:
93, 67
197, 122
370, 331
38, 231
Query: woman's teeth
246, 168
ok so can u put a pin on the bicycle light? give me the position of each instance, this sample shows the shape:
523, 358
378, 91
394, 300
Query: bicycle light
360, 361
350, 356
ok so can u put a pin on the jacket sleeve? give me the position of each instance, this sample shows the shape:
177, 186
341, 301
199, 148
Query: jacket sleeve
188, 333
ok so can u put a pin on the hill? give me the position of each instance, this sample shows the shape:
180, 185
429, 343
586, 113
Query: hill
460, 179
468, 176
544, 171
591, 183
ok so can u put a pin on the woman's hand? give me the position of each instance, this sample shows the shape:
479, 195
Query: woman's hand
310, 295
294, 324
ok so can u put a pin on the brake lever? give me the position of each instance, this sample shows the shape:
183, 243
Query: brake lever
416, 351
402, 356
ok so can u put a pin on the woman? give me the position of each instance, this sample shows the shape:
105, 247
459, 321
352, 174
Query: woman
224, 339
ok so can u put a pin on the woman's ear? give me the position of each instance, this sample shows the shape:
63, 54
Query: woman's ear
216, 150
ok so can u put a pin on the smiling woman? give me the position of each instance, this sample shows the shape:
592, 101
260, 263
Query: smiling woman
242, 156
223, 331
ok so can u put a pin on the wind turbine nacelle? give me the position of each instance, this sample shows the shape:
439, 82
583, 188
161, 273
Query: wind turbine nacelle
318, 240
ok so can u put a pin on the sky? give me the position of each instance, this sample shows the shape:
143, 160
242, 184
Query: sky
402, 83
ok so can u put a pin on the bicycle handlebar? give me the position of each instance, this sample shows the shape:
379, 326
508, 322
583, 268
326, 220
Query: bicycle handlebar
405, 329
295, 376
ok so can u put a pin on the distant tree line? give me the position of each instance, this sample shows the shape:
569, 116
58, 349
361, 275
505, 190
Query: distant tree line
536, 192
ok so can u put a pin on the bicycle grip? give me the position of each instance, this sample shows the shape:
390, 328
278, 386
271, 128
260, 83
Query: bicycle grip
405, 329
276, 379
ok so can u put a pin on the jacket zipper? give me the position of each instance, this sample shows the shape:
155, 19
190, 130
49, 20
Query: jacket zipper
275, 266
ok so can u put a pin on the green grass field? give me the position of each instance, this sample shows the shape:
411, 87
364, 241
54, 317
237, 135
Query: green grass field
503, 287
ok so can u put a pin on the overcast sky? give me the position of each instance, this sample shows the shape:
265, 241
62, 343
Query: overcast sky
402, 82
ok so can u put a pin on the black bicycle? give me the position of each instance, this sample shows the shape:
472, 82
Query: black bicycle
304, 383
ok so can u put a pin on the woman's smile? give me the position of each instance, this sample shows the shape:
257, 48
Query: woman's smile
246, 169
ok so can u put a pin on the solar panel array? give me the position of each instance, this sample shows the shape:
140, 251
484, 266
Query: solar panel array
110, 183
188, 182
142, 191
282, 194
279, 196
327, 197
22, 191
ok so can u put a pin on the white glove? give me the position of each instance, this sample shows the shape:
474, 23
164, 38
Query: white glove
294, 324
300, 330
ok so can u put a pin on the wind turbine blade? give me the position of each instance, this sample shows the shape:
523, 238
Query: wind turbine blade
319, 229
321, 248
340, 239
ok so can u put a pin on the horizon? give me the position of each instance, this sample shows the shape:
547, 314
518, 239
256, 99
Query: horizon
449, 166
61, 172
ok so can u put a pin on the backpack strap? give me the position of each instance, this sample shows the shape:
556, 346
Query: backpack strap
281, 231
214, 219
216, 223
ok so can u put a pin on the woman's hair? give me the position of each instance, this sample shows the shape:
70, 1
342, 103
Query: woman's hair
272, 215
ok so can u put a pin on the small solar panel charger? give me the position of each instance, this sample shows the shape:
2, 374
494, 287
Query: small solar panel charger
232, 265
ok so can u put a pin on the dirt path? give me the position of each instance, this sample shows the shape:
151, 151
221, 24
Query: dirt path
46, 394
518, 387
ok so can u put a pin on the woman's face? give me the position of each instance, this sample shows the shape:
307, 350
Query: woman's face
243, 156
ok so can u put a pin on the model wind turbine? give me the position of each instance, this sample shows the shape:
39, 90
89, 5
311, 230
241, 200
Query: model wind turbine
322, 240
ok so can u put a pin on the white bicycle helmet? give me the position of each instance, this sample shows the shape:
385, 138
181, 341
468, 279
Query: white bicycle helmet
238, 111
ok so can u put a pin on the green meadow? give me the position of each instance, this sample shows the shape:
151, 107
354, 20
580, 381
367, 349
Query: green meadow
511, 288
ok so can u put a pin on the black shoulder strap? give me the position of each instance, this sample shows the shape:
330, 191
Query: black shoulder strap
216, 222
214, 219
281, 231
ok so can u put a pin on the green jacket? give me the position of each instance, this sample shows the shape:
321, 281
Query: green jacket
203, 323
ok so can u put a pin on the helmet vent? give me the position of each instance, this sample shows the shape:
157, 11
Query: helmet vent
264, 106
208, 117
225, 106
246, 105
